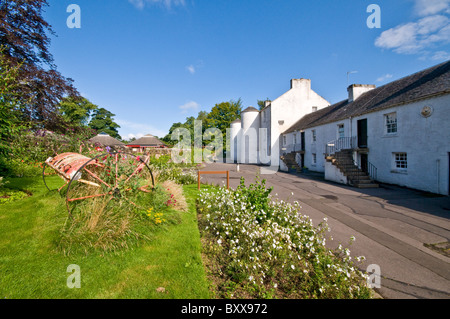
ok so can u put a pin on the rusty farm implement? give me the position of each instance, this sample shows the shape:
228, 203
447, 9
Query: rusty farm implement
115, 177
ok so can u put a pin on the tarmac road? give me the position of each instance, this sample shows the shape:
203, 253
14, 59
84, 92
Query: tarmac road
395, 228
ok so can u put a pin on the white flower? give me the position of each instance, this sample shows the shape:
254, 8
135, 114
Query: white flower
293, 267
219, 241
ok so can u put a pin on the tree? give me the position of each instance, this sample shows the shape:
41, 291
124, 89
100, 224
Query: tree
202, 116
102, 121
77, 110
9, 120
25, 40
223, 114
262, 103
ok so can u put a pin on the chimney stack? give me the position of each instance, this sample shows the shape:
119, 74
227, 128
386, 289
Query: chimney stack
356, 90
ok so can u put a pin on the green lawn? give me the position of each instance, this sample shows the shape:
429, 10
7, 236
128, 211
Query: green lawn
31, 266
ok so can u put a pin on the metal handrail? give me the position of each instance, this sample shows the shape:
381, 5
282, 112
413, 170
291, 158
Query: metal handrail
343, 143
372, 171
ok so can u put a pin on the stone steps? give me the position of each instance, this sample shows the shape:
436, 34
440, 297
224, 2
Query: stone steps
343, 160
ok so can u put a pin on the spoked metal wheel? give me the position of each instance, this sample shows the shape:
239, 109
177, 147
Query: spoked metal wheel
112, 181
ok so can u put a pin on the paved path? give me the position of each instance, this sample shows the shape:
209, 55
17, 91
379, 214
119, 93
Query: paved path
391, 225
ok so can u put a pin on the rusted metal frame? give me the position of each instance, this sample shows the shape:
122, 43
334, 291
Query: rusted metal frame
86, 197
117, 159
140, 167
96, 177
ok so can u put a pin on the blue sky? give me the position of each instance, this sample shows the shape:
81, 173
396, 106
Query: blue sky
156, 62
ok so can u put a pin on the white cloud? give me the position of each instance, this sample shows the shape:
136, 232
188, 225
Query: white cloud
415, 37
384, 77
191, 69
139, 129
140, 4
430, 7
441, 56
189, 106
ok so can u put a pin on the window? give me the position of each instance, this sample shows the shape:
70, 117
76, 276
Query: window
295, 138
341, 131
314, 159
401, 161
284, 140
391, 123
314, 136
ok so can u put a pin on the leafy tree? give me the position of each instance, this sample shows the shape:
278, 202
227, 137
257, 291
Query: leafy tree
77, 110
262, 103
223, 114
9, 119
24, 36
102, 121
202, 116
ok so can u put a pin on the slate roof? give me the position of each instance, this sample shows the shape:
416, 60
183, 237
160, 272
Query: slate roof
421, 85
147, 140
105, 140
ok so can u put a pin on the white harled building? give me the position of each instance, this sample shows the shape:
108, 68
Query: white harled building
398, 133
255, 138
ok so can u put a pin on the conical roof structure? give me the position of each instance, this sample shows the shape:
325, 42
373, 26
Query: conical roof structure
105, 140
147, 141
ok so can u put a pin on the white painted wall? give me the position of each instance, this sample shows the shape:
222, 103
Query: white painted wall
249, 141
281, 114
332, 173
425, 140
324, 134
290, 107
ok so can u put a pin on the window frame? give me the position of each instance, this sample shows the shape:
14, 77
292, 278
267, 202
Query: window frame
390, 125
400, 161
339, 131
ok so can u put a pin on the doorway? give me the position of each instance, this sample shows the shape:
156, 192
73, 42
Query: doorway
365, 163
362, 133
302, 136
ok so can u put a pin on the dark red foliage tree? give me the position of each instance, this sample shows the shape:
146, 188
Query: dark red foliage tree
25, 39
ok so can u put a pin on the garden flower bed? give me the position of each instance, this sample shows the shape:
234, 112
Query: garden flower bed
257, 247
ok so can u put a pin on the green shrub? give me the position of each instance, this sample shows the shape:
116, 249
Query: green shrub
10, 195
266, 249
30, 148
179, 173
